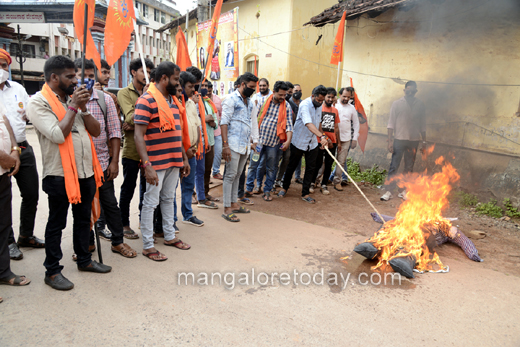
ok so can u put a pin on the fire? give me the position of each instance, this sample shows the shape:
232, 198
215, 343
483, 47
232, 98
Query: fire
418, 217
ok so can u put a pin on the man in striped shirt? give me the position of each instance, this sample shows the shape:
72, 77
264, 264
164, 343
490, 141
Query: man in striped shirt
158, 138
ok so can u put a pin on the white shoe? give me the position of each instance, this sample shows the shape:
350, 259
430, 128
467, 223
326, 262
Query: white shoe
402, 195
311, 189
324, 190
386, 196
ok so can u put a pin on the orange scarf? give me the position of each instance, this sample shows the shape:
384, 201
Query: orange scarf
202, 113
282, 118
184, 123
68, 159
166, 119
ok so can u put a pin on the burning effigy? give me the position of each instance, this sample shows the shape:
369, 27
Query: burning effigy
407, 241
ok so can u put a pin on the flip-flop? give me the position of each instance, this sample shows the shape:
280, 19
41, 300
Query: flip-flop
150, 255
18, 281
210, 198
241, 210
309, 200
267, 197
130, 234
281, 193
246, 201
176, 243
229, 217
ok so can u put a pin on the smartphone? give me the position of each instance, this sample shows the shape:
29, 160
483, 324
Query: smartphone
88, 83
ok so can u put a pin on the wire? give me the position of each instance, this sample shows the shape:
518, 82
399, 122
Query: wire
381, 76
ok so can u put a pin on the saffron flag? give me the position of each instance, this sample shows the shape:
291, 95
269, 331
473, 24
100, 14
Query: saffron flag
79, 27
118, 29
363, 123
213, 31
337, 49
183, 55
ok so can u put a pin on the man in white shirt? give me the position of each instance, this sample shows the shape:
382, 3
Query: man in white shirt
348, 120
15, 98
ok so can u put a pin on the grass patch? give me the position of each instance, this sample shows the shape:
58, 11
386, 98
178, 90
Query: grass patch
490, 209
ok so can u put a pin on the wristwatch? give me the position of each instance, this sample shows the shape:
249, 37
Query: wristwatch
16, 148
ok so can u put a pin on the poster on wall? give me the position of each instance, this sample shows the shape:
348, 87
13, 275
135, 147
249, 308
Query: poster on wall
223, 62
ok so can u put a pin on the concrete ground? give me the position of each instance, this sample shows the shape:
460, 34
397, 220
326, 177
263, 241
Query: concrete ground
142, 303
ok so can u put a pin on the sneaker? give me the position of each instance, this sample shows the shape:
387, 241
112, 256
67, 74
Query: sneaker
176, 227
338, 187
402, 195
218, 176
324, 190
14, 252
194, 221
278, 184
311, 189
386, 196
105, 234
299, 181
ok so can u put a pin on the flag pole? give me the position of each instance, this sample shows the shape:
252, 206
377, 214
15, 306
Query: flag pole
140, 50
85, 28
337, 78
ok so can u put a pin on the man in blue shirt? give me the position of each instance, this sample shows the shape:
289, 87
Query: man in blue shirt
305, 141
236, 137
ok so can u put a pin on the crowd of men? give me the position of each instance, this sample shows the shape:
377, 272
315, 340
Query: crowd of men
176, 131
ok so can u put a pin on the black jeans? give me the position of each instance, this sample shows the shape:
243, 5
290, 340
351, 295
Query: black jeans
5, 225
328, 164
310, 166
54, 186
130, 172
242, 181
405, 148
27, 180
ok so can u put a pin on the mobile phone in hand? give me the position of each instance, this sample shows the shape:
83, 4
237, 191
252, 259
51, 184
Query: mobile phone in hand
89, 83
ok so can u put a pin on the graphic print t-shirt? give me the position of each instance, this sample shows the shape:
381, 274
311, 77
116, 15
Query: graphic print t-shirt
329, 117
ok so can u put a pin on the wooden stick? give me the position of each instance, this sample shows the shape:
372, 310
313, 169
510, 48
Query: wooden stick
355, 184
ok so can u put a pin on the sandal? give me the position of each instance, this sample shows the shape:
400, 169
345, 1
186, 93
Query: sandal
130, 234
183, 246
309, 200
281, 193
257, 191
248, 194
210, 198
31, 241
246, 201
267, 197
125, 250
231, 217
206, 203
156, 256
241, 210
18, 281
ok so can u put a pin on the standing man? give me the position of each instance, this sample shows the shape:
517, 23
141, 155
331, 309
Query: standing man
217, 159
71, 170
212, 126
102, 107
348, 131
406, 127
329, 126
275, 128
158, 137
297, 99
127, 97
236, 136
287, 154
103, 78
306, 129
264, 92
15, 99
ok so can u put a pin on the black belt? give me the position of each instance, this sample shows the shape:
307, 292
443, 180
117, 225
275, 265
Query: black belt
23, 144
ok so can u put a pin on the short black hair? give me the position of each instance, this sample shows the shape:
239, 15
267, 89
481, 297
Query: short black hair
152, 74
165, 68
280, 85
187, 77
289, 84
348, 89
332, 91
195, 72
319, 90
55, 65
105, 65
264, 79
237, 82
89, 64
248, 77
136, 64
410, 84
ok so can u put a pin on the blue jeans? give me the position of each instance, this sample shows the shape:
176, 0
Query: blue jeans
217, 159
187, 185
272, 157
405, 148
199, 178
254, 170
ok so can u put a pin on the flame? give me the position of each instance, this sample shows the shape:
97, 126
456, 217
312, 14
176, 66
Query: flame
418, 216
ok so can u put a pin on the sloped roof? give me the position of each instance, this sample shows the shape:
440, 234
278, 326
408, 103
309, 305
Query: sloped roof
355, 8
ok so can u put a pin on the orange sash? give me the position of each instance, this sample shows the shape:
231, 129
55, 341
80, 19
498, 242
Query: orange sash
202, 112
166, 119
68, 159
184, 123
282, 118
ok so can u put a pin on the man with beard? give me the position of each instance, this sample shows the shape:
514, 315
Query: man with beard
304, 142
71, 170
347, 138
264, 92
287, 154
127, 97
158, 138
406, 127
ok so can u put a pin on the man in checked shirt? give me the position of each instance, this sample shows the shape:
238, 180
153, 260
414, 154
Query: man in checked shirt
110, 131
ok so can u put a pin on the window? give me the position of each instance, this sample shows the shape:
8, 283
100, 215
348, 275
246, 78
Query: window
151, 43
137, 4
29, 51
156, 13
143, 42
158, 43
250, 65
145, 10
163, 18
14, 49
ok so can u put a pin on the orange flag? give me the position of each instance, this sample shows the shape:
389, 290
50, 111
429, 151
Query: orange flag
118, 29
337, 50
213, 31
79, 26
363, 124
183, 55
